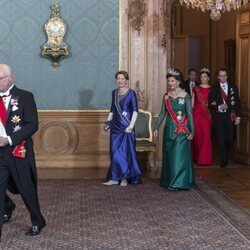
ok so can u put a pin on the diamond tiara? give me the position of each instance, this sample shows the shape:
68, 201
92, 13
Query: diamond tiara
205, 70
173, 72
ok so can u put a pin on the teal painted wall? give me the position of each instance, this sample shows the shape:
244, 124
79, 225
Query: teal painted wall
83, 81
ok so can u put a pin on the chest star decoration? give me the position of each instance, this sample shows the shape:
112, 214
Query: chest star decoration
124, 113
15, 119
181, 101
16, 128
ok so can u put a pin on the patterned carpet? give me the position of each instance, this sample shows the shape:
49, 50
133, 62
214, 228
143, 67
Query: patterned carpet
87, 215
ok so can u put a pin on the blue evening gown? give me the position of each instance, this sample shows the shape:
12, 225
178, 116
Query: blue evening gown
124, 163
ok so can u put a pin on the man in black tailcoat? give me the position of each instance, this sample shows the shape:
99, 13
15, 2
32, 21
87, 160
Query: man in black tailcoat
191, 82
19, 120
224, 102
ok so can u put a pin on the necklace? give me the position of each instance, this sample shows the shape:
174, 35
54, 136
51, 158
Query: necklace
122, 91
205, 85
175, 93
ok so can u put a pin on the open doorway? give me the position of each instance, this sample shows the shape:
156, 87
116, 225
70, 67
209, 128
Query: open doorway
199, 42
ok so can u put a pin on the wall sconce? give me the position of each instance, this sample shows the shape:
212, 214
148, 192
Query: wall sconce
55, 49
136, 11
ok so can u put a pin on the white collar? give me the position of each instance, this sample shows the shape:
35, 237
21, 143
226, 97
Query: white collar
7, 93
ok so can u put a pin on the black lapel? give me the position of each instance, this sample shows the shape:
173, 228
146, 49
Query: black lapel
229, 93
218, 90
188, 87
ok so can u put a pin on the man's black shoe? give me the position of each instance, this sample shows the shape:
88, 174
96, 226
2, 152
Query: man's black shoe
35, 230
224, 165
7, 216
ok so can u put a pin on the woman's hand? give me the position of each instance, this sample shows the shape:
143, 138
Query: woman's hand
129, 129
190, 136
106, 126
156, 134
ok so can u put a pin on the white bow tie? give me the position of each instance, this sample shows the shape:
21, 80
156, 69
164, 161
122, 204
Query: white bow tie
7, 93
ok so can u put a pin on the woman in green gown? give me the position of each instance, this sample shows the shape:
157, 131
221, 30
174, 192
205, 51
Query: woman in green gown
177, 166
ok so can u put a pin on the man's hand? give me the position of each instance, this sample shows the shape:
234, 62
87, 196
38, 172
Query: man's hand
237, 121
224, 106
3, 142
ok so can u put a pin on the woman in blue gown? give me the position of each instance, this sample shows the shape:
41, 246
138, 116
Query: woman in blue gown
124, 166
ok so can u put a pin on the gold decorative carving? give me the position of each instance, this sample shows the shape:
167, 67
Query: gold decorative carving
55, 49
140, 96
166, 18
137, 10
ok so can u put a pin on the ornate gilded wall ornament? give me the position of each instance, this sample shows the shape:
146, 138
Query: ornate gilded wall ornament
166, 21
137, 10
55, 49
140, 96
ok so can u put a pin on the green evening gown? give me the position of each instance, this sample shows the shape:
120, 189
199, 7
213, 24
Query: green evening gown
177, 165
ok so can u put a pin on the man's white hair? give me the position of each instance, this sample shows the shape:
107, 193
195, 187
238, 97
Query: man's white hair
7, 69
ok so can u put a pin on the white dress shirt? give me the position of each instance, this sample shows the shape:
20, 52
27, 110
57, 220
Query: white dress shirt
191, 86
6, 101
224, 86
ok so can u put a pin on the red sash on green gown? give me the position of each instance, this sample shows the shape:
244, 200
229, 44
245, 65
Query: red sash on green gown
180, 125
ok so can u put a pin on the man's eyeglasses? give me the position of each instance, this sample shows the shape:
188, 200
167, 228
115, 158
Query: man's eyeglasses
3, 78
